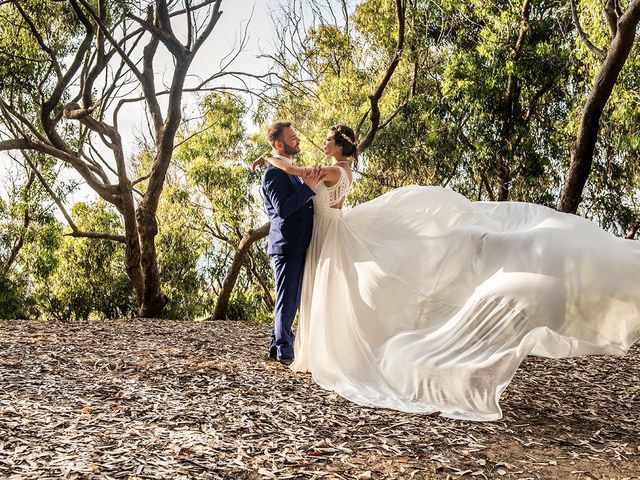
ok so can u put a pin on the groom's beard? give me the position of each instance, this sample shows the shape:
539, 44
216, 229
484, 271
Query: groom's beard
290, 149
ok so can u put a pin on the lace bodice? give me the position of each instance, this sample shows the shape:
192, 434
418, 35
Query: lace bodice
326, 198
340, 190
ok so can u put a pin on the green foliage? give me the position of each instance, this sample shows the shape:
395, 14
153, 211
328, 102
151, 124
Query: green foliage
248, 303
483, 96
180, 245
29, 235
226, 203
88, 281
611, 194
491, 97
13, 297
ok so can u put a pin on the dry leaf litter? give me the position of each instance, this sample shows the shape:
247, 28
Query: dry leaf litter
158, 399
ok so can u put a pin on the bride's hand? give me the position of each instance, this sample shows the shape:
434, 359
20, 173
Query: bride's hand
318, 171
257, 163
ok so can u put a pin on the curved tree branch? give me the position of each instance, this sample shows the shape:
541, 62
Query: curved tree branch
75, 231
584, 146
583, 36
374, 112
611, 17
631, 233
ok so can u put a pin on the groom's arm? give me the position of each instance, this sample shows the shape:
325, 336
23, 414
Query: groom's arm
277, 187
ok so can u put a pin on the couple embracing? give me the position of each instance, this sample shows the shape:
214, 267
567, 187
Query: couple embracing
288, 192
423, 301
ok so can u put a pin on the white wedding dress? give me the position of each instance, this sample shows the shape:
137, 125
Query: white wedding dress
422, 301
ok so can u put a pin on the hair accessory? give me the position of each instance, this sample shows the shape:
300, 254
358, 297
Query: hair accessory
337, 129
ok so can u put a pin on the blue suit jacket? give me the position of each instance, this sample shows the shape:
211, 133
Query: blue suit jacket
290, 210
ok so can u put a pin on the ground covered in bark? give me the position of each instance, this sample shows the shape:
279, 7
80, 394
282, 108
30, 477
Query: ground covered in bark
141, 399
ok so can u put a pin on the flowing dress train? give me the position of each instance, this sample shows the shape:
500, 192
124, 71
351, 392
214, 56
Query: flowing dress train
422, 301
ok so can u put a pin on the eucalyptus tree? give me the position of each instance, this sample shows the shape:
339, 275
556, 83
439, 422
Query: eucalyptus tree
478, 99
29, 233
621, 23
85, 279
213, 158
309, 62
16, 221
69, 69
489, 98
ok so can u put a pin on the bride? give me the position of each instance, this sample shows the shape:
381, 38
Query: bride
422, 301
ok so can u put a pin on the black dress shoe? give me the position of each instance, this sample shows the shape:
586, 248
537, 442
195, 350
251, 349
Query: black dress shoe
286, 361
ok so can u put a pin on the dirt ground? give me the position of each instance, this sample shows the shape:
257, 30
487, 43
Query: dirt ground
164, 399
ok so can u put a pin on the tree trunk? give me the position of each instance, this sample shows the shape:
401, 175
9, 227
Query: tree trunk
633, 230
132, 245
506, 153
153, 300
584, 146
249, 238
511, 98
72, 73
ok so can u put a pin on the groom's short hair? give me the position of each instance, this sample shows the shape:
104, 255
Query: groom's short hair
275, 131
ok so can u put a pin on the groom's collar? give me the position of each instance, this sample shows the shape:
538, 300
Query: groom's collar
282, 157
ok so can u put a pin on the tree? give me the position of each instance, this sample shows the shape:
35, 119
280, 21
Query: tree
85, 280
213, 158
73, 66
622, 27
29, 234
293, 59
16, 220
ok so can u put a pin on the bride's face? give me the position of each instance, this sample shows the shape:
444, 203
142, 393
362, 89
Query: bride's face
330, 146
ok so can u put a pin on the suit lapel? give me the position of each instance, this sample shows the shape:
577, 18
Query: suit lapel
294, 180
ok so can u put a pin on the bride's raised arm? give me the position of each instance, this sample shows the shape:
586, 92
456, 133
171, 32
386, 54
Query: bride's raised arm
329, 175
278, 163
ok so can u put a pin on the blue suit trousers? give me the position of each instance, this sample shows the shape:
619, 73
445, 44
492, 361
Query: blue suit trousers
288, 273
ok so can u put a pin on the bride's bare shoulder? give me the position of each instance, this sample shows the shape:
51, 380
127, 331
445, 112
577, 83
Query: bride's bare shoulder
333, 173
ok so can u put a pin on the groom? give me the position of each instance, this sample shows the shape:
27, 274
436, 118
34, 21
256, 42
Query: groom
287, 199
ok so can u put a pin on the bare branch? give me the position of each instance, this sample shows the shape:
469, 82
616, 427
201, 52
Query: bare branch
611, 17
167, 37
98, 236
76, 232
215, 16
102, 59
132, 66
140, 180
187, 7
374, 116
48, 122
633, 230
109, 192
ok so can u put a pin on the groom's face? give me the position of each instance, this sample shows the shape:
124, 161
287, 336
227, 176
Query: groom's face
289, 142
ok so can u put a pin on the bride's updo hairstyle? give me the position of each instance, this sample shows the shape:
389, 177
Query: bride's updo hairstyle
346, 139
